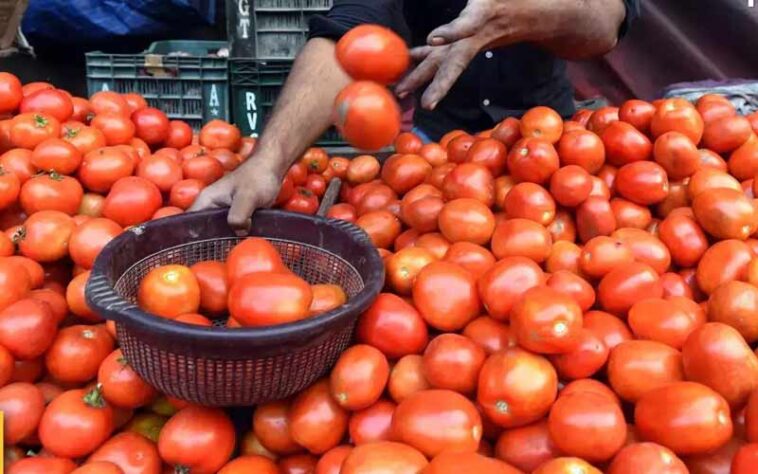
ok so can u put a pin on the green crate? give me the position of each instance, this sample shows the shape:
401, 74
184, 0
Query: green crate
186, 79
255, 86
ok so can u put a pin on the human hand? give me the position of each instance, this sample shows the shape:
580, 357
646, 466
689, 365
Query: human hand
249, 187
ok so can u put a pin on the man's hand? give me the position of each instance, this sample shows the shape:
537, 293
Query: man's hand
247, 189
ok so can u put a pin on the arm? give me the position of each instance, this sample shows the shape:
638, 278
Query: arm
302, 114
571, 29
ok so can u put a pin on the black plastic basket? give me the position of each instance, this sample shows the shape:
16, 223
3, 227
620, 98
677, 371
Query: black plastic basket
216, 366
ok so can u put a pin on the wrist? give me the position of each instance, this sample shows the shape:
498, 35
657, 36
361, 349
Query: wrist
268, 157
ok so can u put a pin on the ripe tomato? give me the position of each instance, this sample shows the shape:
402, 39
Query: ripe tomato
83, 415
213, 281
601, 118
602, 254
134, 101
458, 147
220, 134
384, 456
677, 115
271, 426
543, 123
42, 465
46, 236
526, 447
734, 303
19, 162
407, 377
382, 227
88, 239
22, 405
179, 135
421, 214
516, 387
84, 139
184, 192
372, 424
404, 172
303, 200
342, 211
532, 160
587, 425
258, 299
204, 168
168, 291
77, 352
707, 179
109, 102
98, 467
197, 438
502, 285
316, 184
646, 457
253, 255
121, 385
490, 153
637, 113
472, 257
161, 171
491, 335
743, 162
132, 200
582, 148
676, 153
53, 102
724, 261
726, 213
151, 125
359, 377
624, 144
645, 247
30, 129
725, 134
623, 286
521, 238
546, 321
686, 417
452, 362
717, 356
569, 185
408, 142
244, 464
10, 187
508, 131
393, 326
118, 129
373, 53
433, 421
642, 182
595, 217
76, 300
470, 180
101, 168
316, 421
745, 459
55, 154
367, 115
587, 357
451, 462
370, 197
445, 295
403, 267
466, 220
362, 169
51, 192
434, 154
10, 93
637, 367
684, 238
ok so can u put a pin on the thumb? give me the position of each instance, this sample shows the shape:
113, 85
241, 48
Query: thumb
471, 19
240, 212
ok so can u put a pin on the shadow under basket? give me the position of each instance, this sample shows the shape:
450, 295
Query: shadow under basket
217, 366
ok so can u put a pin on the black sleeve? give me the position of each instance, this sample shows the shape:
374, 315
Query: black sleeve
632, 13
345, 14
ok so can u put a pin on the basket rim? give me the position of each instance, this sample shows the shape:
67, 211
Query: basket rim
102, 297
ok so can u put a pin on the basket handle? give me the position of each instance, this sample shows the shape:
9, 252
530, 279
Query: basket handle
330, 196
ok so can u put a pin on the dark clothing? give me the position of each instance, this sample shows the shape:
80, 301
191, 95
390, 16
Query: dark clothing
497, 84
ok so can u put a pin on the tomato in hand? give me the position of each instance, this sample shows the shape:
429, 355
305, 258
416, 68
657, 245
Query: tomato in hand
198, 439
373, 53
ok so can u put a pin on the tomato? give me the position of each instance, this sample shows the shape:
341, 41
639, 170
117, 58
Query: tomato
220, 134
132, 200
342, 211
42, 465
587, 357
684, 238
83, 416
51, 192
707, 179
724, 261
77, 352
373, 53
743, 162
53, 102
637, 113
56, 155
601, 118
19, 162
581, 148
303, 200
726, 134
751, 418
109, 102
258, 299
450, 463
543, 123
521, 238
245, 464
121, 385
134, 102
184, 192
10, 93
101, 168
526, 447
569, 185
624, 144
734, 303
639, 458
251, 445
502, 285
637, 367
84, 139
595, 217
642, 182
252, 255
433, 421
407, 377
367, 115
370, 197
726, 213
403, 267
118, 129
316, 421
602, 254
362, 169
677, 115
46, 236
676, 153
546, 321
532, 160
746, 459
403, 172
490, 153
205, 168
422, 214
665, 321
98, 467
587, 425
645, 247
372, 424
516, 387
10, 187
88, 239
452, 362
466, 220
151, 125
472, 257
76, 301
530, 201
161, 171
623, 286
197, 438
179, 135
22, 405
458, 147
169, 290
30, 129
445, 295
384, 456
686, 417
470, 180
213, 281
716, 355
508, 131
359, 377
271, 426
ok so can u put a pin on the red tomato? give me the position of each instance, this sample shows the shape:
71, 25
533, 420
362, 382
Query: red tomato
516, 387
726, 134
502, 285
458, 147
22, 405
373, 53
169, 290
404, 172
197, 438
266, 299
745, 460
244, 464
595, 217
204, 168
220, 134
118, 129
452, 362
88, 239
451, 463
109, 102
359, 377
521, 238
623, 286
53, 102
179, 135
384, 456
445, 295
42, 465
676, 153
470, 180
303, 200
393, 326
546, 321
624, 144
490, 153
722, 262
271, 426
372, 424
582, 148
543, 123
10, 93
646, 457
151, 125
134, 101
466, 220
101, 168
637, 113
637, 367
367, 115
726, 213
530, 201
570, 185
316, 421
51, 192
588, 356
132, 200
183, 193
677, 115
77, 352
601, 118
533, 160
30, 129
46, 237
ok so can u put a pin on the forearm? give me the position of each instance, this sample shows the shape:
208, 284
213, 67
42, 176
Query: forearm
303, 110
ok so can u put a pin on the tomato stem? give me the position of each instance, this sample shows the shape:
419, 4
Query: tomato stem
181, 470
40, 121
94, 398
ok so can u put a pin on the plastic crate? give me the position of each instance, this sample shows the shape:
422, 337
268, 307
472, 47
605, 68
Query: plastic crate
185, 79
271, 29
255, 86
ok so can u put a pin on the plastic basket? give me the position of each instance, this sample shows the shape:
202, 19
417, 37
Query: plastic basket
216, 366
185, 79
271, 29
255, 86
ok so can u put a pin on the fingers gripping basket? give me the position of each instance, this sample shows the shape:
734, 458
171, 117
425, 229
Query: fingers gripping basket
235, 367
